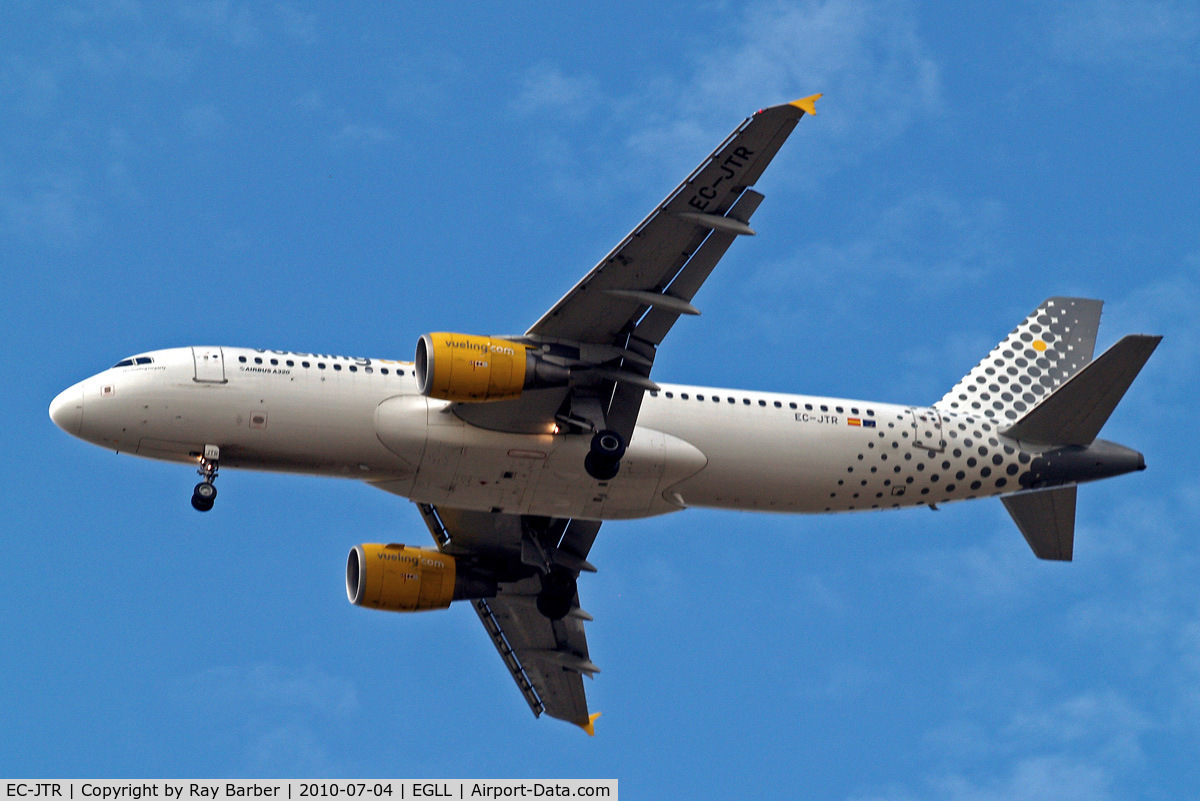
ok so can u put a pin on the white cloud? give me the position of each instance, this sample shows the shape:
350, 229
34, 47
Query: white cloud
1076, 748
926, 248
231, 23
299, 25
1103, 723
280, 689
1042, 778
545, 88
205, 121
363, 134
866, 56
1168, 305
1157, 36
50, 207
280, 718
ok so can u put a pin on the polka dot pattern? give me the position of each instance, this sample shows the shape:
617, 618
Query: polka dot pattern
1050, 346
892, 469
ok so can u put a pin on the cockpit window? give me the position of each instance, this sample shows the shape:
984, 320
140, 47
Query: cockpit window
133, 360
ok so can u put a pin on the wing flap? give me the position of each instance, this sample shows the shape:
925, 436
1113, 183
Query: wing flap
552, 655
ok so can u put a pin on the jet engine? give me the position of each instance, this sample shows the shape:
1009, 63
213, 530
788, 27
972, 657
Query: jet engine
397, 578
466, 368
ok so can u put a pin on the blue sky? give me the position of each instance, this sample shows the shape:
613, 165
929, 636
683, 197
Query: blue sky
344, 179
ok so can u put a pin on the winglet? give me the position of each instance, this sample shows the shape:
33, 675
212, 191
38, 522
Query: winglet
590, 726
807, 104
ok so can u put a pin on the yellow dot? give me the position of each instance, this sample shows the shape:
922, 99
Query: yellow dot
1039, 345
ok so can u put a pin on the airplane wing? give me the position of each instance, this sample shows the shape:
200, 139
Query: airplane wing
605, 331
611, 322
547, 658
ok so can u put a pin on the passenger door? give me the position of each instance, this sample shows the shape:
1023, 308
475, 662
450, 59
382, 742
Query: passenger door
210, 365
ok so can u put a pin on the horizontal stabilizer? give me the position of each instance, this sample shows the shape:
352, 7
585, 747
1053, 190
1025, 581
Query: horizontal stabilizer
1075, 412
1047, 519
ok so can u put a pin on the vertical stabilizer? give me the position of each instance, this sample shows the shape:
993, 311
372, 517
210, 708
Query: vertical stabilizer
1050, 346
1047, 519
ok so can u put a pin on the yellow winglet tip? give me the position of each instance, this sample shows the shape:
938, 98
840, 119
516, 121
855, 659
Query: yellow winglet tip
807, 104
590, 726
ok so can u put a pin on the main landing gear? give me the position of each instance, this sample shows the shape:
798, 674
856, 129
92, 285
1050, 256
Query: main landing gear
205, 494
604, 459
558, 593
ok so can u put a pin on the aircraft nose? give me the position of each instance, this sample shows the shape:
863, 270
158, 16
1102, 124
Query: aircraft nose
66, 410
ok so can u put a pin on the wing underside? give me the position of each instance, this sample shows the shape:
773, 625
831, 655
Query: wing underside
546, 658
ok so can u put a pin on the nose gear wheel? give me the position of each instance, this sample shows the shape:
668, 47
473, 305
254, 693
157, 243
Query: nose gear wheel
205, 494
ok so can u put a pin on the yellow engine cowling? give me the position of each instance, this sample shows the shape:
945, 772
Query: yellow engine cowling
462, 367
397, 578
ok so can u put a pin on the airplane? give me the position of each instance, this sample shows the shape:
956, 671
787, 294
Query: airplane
516, 448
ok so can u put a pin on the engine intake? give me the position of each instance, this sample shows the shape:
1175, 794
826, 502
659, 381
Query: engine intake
474, 369
397, 578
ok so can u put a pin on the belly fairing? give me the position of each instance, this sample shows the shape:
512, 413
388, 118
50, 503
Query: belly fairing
466, 467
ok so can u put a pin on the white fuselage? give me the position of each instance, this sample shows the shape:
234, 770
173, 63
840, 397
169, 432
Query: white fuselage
693, 446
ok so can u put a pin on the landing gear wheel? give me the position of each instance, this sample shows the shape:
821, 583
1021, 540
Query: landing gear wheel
609, 444
204, 496
604, 459
553, 607
600, 468
558, 593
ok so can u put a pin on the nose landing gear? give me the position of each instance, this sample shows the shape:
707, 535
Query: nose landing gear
205, 494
